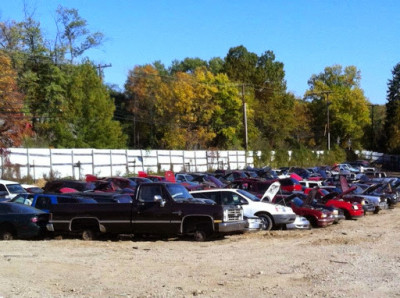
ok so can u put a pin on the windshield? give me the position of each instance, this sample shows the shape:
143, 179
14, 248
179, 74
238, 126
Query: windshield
15, 188
179, 192
248, 195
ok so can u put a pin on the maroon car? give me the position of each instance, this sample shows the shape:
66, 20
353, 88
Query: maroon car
318, 217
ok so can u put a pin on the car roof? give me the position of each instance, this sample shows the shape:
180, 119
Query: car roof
8, 182
215, 189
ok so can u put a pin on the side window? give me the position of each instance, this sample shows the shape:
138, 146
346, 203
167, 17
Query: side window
42, 203
227, 198
147, 193
3, 188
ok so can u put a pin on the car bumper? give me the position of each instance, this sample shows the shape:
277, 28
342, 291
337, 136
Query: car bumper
368, 208
323, 222
301, 223
50, 227
253, 224
229, 227
337, 218
358, 214
284, 218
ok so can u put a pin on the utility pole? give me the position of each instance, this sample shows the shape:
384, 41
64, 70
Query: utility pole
246, 138
100, 69
372, 127
328, 103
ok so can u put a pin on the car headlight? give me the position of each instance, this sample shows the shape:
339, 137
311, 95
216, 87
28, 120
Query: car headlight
355, 207
323, 215
335, 212
362, 202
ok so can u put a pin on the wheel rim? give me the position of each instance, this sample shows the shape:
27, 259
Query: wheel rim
266, 222
7, 236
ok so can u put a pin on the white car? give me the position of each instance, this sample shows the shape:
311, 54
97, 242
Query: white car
10, 189
271, 215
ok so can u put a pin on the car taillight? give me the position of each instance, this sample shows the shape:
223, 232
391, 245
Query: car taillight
34, 219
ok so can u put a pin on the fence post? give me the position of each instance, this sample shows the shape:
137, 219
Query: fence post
111, 167
72, 164
28, 168
51, 162
92, 161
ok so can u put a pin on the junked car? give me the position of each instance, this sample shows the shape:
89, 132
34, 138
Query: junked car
271, 215
318, 217
23, 222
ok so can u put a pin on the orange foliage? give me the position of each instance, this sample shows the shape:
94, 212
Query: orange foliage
13, 123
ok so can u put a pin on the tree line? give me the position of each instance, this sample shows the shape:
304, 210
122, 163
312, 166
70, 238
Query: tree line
52, 96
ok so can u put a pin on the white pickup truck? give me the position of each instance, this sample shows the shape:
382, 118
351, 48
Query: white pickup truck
271, 215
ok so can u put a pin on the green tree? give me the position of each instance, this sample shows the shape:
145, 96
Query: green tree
392, 124
87, 117
188, 65
75, 36
338, 90
272, 123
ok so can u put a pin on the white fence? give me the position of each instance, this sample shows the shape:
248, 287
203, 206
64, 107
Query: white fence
76, 163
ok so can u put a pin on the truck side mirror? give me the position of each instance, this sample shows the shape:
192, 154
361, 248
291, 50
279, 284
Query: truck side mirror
159, 199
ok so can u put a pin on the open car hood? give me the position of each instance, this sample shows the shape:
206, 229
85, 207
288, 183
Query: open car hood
271, 191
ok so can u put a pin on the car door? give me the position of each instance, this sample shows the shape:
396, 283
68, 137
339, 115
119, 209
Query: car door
151, 216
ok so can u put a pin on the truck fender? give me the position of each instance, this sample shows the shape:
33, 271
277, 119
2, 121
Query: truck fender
193, 221
80, 223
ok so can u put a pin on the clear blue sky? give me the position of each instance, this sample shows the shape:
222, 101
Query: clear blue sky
305, 35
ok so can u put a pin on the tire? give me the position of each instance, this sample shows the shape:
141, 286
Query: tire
200, 236
267, 222
88, 235
376, 211
6, 235
347, 214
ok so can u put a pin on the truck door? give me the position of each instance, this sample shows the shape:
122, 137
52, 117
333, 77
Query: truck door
151, 216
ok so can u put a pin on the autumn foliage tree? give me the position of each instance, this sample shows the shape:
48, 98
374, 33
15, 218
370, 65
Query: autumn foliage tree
13, 123
184, 110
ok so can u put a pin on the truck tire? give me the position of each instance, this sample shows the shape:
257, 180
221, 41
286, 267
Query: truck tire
200, 235
88, 235
267, 222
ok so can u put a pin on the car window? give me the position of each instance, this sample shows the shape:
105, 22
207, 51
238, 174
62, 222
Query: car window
3, 188
147, 193
248, 195
42, 203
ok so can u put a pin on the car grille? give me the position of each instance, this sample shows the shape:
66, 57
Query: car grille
234, 214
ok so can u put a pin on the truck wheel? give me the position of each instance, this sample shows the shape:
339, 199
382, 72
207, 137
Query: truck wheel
267, 222
88, 235
376, 211
200, 235
6, 235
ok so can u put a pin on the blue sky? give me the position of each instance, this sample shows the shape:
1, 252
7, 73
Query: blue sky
305, 35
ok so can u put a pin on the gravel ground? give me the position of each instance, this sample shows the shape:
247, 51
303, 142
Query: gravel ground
356, 258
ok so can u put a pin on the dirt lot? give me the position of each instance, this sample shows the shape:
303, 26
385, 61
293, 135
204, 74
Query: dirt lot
354, 258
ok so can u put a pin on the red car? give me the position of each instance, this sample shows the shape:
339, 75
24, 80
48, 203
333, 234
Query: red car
290, 184
318, 217
351, 210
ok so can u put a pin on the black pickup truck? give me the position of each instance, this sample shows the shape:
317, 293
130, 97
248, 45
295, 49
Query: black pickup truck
156, 208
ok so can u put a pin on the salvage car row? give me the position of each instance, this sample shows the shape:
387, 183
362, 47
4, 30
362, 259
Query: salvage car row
218, 204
